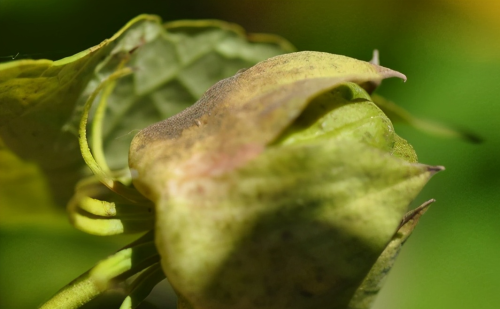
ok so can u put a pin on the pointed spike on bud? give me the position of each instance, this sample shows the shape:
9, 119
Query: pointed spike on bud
435, 169
387, 73
375, 58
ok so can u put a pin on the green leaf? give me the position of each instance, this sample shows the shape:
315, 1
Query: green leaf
37, 100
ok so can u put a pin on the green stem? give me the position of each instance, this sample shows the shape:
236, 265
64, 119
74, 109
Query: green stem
125, 263
74, 295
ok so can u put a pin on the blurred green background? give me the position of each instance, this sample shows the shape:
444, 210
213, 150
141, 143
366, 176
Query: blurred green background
450, 51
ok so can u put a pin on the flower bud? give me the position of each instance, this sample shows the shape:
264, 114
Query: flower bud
280, 187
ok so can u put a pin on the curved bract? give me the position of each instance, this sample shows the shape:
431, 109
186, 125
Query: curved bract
280, 187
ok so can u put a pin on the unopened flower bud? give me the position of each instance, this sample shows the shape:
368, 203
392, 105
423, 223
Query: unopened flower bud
280, 187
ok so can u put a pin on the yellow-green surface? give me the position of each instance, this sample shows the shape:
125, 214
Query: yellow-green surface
448, 49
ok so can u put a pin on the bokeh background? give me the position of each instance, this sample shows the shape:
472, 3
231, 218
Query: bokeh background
450, 51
